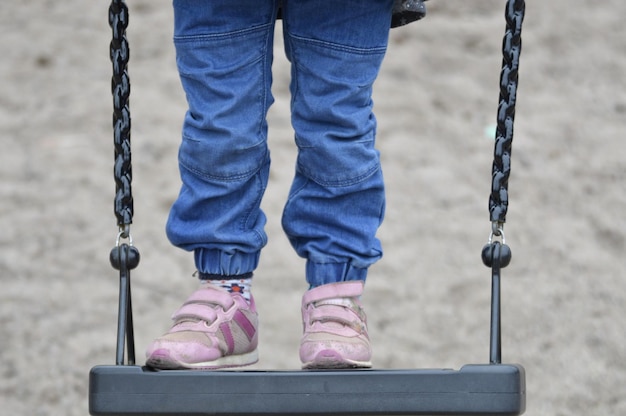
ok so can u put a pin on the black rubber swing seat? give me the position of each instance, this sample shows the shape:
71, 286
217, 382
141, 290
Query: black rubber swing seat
485, 389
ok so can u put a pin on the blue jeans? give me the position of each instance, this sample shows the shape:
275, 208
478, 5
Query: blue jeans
224, 52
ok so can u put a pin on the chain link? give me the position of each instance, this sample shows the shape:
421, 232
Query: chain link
511, 50
120, 89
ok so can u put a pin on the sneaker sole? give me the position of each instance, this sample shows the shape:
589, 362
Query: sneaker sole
164, 362
332, 360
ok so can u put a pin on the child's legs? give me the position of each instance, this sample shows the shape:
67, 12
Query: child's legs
337, 199
224, 54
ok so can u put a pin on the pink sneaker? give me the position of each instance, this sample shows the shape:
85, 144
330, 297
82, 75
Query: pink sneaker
213, 329
335, 327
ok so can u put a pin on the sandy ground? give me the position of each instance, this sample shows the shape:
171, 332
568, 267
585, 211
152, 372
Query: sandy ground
428, 299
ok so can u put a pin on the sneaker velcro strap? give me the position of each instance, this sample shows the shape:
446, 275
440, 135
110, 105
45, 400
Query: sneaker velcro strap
351, 289
343, 315
196, 311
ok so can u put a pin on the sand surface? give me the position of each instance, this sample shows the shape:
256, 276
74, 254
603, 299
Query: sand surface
564, 294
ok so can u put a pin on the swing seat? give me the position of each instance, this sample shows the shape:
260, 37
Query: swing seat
477, 389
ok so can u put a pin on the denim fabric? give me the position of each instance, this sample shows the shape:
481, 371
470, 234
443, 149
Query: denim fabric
336, 203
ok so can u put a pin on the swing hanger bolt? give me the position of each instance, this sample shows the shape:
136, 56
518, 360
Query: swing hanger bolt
124, 234
497, 230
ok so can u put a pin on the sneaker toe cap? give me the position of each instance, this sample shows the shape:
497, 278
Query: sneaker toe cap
348, 350
182, 351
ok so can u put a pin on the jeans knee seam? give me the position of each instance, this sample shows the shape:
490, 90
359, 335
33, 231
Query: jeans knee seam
230, 178
374, 50
219, 35
340, 183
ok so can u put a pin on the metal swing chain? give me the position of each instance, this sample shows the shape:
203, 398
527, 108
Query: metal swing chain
511, 50
124, 257
120, 88
496, 254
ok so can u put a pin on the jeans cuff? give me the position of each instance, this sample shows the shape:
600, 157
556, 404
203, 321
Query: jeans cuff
214, 261
318, 274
